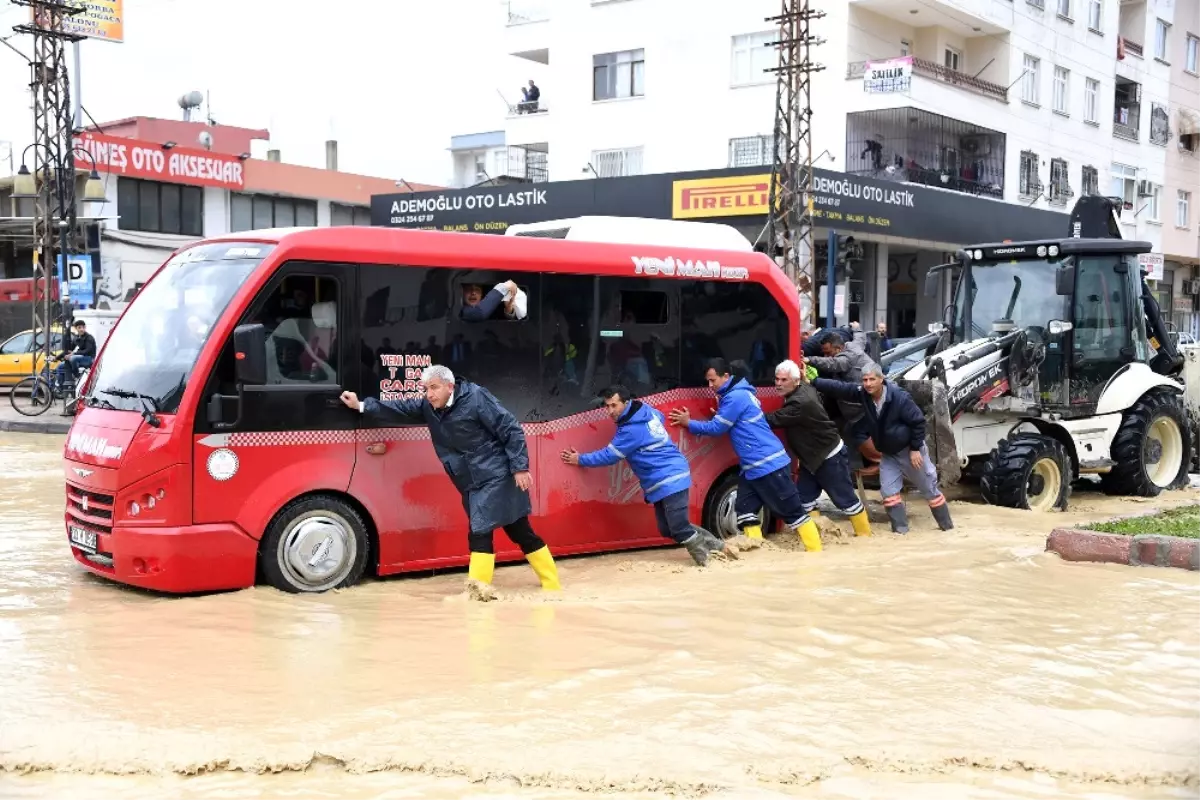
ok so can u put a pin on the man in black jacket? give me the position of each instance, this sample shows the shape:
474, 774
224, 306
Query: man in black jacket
896, 425
83, 351
814, 440
482, 448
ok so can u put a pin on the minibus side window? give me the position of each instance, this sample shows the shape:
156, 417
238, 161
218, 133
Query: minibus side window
301, 326
734, 321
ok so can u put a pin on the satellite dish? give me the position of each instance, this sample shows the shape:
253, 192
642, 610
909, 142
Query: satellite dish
206, 140
191, 100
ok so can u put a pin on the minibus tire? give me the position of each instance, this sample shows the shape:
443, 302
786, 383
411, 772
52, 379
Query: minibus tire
718, 509
308, 527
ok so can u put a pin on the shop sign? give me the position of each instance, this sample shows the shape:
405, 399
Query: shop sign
887, 77
101, 20
720, 197
1183, 303
132, 158
1152, 265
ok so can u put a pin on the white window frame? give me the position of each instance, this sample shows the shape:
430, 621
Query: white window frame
1191, 59
1062, 90
1154, 204
1124, 184
1091, 187
1091, 101
952, 54
1162, 35
1030, 79
633, 63
749, 56
1095, 15
1029, 177
751, 151
1183, 209
1064, 9
618, 162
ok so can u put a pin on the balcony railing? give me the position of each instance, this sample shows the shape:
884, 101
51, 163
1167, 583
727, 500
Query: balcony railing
527, 109
522, 13
1134, 49
932, 69
1127, 122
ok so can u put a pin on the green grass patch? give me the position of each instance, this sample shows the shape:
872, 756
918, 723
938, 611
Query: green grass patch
1183, 522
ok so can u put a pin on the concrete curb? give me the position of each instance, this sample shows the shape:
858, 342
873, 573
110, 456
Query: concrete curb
1147, 550
55, 424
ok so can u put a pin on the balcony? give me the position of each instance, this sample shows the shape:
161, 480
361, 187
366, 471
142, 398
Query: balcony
527, 162
524, 13
985, 17
527, 32
931, 69
1127, 110
910, 145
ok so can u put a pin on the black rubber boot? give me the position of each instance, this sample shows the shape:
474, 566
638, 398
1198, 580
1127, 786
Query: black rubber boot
942, 515
703, 544
899, 518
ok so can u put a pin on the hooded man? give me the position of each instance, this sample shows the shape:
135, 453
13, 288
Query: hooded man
814, 439
661, 469
895, 423
765, 464
482, 448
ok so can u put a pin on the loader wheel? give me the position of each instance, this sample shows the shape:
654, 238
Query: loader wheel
1028, 471
1150, 450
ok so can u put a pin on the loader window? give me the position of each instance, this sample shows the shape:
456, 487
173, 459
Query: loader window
1104, 338
1022, 291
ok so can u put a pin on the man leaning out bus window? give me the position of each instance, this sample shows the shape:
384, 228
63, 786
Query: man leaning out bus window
663, 472
506, 298
482, 448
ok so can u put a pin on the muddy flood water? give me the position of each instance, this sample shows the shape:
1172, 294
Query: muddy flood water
959, 665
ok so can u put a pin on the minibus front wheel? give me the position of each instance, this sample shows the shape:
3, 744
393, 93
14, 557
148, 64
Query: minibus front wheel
314, 544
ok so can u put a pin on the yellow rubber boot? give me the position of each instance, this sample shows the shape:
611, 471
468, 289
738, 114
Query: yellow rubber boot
543, 564
861, 523
815, 513
809, 535
482, 567
752, 531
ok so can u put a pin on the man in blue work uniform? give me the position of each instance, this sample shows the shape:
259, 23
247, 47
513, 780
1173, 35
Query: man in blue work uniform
661, 469
766, 478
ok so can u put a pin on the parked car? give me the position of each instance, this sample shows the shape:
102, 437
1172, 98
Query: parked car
20, 356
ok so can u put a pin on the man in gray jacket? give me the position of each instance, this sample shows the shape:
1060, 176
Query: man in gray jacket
842, 362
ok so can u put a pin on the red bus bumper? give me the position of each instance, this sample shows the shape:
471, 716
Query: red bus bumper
195, 558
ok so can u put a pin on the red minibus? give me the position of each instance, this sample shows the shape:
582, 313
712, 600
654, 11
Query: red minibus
212, 452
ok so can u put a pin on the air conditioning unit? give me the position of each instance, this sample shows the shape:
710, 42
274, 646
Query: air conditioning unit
1145, 188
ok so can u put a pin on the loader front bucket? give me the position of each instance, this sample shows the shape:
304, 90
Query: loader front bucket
930, 396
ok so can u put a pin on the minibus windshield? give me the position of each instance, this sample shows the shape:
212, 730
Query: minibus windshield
150, 354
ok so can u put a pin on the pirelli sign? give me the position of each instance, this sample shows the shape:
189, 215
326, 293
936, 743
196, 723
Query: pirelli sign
742, 195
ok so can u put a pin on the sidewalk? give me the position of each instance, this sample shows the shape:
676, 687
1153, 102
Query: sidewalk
51, 421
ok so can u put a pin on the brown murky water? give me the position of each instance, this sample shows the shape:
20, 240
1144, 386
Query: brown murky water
960, 665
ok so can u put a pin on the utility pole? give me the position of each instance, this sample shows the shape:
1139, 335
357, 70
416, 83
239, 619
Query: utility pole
54, 159
791, 203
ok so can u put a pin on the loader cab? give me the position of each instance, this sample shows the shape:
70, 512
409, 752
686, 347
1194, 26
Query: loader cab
1078, 302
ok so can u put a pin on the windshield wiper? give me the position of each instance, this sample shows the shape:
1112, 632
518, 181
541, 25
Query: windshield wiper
150, 404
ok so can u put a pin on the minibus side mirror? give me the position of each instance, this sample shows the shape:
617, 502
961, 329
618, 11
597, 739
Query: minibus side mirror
1064, 280
250, 354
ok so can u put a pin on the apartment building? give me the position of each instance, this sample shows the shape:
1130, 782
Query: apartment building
988, 117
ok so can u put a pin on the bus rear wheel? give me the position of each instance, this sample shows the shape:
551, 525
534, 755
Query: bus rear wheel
314, 544
719, 516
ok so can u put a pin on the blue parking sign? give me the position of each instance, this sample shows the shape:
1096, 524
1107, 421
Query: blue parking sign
76, 285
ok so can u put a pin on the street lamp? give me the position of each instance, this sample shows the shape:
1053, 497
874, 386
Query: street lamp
25, 182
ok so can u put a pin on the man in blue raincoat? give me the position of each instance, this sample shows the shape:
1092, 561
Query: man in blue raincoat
482, 448
661, 469
766, 475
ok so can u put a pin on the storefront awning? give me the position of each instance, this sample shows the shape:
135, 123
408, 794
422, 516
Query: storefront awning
1188, 122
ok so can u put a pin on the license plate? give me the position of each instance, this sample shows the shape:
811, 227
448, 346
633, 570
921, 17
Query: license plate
84, 540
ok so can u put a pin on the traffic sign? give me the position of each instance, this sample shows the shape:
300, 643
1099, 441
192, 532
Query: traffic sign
77, 285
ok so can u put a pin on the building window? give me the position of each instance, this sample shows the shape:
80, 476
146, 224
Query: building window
951, 59
1062, 90
750, 151
1040, 5
752, 56
617, 163
1060, 181
1124, 184
1183, 209
1030, 185
1030, 80
1091, 180
1161, 32
1064, 9
481, 167
1192, 59
1095, 14
1154, 203
1160, 124
619, 75
251, 212
340, 215
154, 207
1091, 101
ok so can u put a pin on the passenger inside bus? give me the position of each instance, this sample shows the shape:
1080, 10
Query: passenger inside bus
302, 333
499, 303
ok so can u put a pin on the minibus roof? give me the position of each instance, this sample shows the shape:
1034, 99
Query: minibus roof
637, 230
